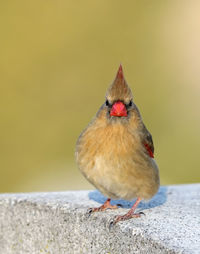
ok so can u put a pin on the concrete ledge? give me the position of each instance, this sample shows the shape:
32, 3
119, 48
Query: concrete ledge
59, 223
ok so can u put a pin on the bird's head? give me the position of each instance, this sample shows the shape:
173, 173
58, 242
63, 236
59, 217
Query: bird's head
119, 98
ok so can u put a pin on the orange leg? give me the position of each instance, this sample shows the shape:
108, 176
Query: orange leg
131, 214
103, 207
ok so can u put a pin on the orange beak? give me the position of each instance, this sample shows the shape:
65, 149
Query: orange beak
118, 109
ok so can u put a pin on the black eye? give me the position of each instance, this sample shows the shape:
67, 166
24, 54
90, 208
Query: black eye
107, 103
130, 104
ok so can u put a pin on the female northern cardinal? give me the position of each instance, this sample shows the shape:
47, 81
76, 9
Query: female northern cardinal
115, 152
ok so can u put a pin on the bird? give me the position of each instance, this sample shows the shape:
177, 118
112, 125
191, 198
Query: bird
115, 152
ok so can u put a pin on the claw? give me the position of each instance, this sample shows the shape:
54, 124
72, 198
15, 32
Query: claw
90, 211
111, 224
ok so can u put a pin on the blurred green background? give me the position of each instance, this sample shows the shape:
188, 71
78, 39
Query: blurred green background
57, 59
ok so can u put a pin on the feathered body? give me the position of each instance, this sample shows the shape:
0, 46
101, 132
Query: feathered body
115, 153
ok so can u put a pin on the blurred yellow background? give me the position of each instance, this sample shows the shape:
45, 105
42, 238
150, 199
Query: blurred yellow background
57, 59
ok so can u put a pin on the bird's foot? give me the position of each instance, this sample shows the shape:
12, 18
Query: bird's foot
103, 207
124, 217
131, 214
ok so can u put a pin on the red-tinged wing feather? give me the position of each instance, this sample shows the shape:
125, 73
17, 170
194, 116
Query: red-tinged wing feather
149, 150
148, 142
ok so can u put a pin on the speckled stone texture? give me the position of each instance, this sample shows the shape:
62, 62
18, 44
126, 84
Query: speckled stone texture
59, 223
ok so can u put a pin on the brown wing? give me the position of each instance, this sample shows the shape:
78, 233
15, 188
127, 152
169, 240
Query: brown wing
148, 142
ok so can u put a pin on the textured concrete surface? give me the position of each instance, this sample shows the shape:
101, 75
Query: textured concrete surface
59, 223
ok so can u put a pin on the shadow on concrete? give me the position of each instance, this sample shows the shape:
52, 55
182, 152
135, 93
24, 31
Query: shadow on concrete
159, 199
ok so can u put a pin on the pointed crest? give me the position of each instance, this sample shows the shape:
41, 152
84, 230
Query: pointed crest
120, 74
119, 89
